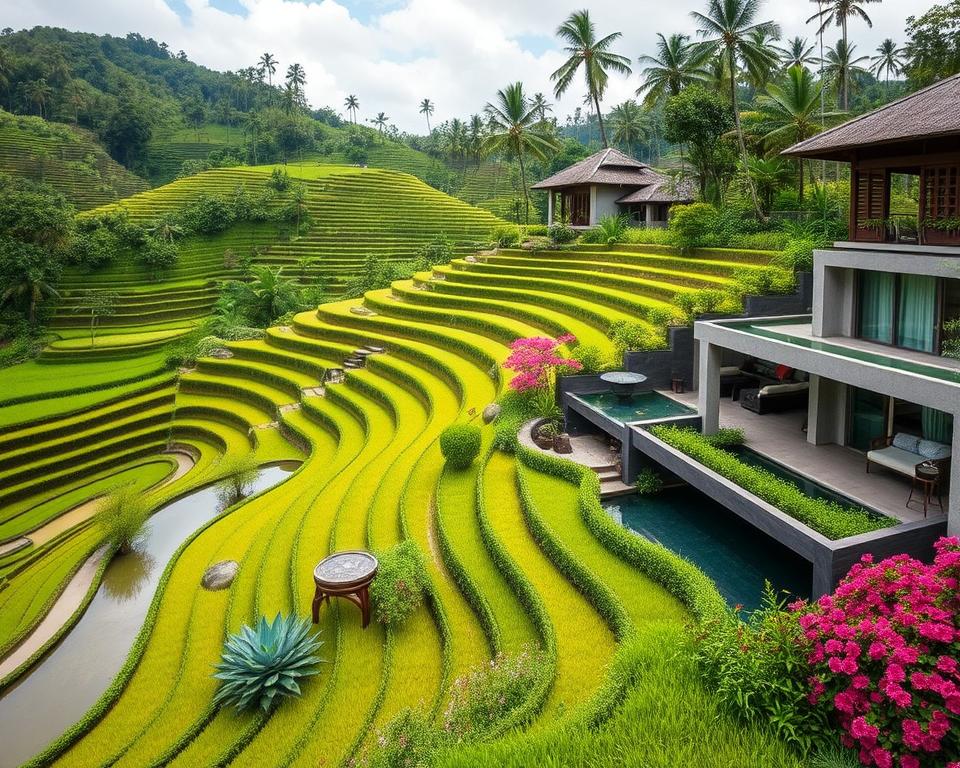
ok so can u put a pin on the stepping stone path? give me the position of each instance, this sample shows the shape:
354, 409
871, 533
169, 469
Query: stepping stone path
220, 575
334, 376
314, 392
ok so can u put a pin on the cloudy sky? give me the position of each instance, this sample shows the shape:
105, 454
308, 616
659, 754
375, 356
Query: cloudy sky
393, 53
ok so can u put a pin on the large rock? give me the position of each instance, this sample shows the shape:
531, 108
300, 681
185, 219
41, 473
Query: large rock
220, 575
561, 443
491, 412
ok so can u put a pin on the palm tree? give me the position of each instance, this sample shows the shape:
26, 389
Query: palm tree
39, 92
673, 68
889, 60
456, 139
269, 65
791, 112
542, 106
30, 287
840, 67
352, 103
381, 122
580, 35
514, 131
629, 125
728, 30
761, 67
77, 99
768, 174
426, 108
166, 228
269, 295
252, 125
475, 137
296, 79
838, 12
796, 53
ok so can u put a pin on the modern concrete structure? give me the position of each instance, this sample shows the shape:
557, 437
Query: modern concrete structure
878, 346
610, 183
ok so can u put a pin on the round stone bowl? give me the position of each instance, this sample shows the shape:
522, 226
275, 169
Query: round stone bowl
623, 383
345, 570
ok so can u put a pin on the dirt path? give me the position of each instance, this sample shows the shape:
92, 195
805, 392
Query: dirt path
69, 601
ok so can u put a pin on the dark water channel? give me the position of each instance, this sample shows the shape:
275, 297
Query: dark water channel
68, 681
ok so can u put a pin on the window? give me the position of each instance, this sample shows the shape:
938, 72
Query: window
901, 310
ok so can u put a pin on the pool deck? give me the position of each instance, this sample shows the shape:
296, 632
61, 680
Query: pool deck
781, 437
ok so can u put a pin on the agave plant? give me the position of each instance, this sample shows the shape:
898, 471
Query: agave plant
261, 665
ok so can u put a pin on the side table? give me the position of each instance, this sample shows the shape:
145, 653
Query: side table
348, 575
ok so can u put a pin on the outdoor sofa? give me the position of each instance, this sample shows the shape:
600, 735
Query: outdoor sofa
776, 398
903, 453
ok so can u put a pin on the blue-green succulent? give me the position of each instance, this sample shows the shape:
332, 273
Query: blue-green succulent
261, 665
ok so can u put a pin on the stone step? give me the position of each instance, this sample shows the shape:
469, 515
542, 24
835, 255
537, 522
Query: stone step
613, 488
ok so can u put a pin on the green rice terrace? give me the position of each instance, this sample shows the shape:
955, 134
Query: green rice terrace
518, 557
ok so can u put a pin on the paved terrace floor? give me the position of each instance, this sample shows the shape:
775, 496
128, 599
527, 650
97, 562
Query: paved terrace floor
781, 437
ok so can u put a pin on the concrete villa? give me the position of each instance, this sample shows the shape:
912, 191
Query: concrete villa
611, 183
871, 354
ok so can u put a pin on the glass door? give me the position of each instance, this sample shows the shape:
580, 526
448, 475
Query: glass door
868, 418
917, 313
877, 290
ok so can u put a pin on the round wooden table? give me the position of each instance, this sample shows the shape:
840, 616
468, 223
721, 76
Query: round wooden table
927, 480
345, 574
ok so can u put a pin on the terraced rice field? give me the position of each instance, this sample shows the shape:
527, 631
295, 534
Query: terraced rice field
356, 213
68, 159
513, 555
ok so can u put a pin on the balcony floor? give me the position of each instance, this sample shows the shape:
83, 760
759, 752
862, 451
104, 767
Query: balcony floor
781, 437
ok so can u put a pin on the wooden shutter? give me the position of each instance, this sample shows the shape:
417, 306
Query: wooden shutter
871, 198
940, 199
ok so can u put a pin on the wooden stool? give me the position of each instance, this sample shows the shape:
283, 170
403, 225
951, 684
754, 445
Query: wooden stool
345, 574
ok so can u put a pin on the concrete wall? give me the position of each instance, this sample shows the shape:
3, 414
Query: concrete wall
604, 202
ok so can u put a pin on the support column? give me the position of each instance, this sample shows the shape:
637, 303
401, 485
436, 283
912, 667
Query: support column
953, 503
826, 411
648, 213
550, 196
708, 402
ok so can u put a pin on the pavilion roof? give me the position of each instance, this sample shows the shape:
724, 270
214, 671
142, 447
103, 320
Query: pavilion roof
608, 166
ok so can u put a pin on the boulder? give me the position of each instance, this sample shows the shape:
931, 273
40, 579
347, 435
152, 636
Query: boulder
491, 412
561, 443
221, 353
220, 575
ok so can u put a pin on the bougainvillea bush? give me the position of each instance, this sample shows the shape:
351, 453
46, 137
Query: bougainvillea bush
884, 652
536, 361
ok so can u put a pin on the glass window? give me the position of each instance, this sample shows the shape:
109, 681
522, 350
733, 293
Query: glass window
868, 418
917, 312
876, 306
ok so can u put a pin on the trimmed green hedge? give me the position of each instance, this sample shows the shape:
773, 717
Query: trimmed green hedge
827, 517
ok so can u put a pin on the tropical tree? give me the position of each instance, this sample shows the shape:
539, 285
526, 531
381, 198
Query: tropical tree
296, 79
673, 68
475, 137
933, 44
542, 106
29, 288
76, 98
583, 47
268, 295
39, 93
97, 304
840, 67
729, 30
456, 141
838, 12
791, 113
166, 229
769, 174
268, 65
760, 68
516, 130
352, 103
888, 61
629, 125
381, 122
426, 109
797, 53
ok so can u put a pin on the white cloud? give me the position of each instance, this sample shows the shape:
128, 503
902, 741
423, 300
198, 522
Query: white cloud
456, 52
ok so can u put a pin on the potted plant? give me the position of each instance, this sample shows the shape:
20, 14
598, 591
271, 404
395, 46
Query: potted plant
545, 434
945, 231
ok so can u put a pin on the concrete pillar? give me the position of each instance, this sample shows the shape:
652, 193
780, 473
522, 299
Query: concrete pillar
593, 205
708, 396
550, 196
953, 503
826, 411
648, 213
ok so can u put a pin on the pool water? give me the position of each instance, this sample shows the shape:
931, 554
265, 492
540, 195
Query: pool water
645, 406
737, 556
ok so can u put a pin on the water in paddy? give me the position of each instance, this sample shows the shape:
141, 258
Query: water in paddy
642, 407
733, 553
67, 682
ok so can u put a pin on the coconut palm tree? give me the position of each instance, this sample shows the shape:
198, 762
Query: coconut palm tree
426, 109
475, 137
166, 228
837, 12
583, 47
77, 98
352, 103
540, 103
268, 64
797, 53
296, 79
39, 93
629, 125
30, 288
889, 61
673, 68
515, 130
840, 66
381, 122
760, 68
728, 30
791, 113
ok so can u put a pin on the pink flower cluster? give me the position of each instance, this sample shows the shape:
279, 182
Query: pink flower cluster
535, 361
884, 650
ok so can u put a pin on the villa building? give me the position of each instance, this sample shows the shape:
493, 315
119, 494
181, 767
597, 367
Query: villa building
611, 183
870, 365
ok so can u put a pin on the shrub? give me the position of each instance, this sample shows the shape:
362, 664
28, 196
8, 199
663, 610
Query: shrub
399, 586
460, 445
207, 214
763, 282
693, 226
408, 741
437, 251
158, 255
505, 237
562, 234
951, 338
279, 180
701, 302
638, 337
516, 408
592, 359
649, 482
727, 436
237, 473
262, 665
884, 653
827, 517
536, 360
610, 230
756, 668
481, 698
121, 519
536, 230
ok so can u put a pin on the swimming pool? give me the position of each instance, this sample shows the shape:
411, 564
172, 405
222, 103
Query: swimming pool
645, 406
737, 556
